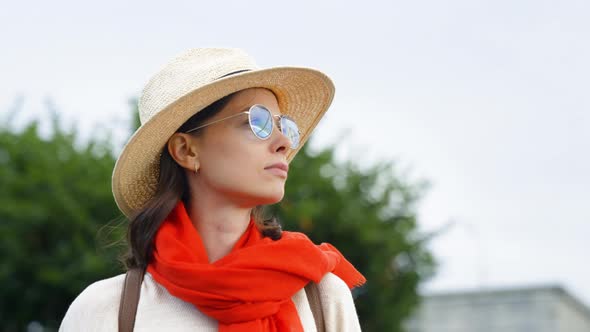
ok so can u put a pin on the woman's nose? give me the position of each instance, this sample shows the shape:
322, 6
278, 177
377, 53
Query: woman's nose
281, 143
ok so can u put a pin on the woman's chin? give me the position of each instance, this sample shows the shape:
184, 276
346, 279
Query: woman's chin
270, 198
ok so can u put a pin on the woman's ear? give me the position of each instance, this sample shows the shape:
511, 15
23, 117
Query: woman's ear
183, 148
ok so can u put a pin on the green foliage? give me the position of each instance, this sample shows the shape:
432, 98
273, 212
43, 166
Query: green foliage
368, 215
54, 199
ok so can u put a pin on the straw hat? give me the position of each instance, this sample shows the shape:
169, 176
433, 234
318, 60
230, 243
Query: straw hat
188, 84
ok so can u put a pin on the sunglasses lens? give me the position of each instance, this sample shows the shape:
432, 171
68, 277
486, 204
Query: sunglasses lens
290, 129
261, 121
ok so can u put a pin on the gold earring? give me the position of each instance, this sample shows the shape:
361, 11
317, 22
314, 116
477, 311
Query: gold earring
197, 165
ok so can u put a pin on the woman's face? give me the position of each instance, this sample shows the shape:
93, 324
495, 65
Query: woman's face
234, 163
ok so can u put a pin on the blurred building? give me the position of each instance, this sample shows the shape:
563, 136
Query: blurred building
534, 309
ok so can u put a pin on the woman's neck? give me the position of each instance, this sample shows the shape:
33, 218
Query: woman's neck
219, 225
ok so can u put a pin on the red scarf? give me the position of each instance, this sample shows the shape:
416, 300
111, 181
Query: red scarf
249, 289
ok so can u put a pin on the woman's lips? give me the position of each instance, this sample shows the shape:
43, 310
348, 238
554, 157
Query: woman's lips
278, 172
279, 169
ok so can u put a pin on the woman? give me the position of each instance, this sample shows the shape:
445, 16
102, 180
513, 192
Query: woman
216, 137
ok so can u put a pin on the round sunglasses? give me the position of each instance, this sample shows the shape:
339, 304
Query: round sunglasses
261, 121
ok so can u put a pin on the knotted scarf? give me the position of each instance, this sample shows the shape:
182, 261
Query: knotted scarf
249, 289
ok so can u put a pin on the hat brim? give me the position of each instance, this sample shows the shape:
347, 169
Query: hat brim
302, 93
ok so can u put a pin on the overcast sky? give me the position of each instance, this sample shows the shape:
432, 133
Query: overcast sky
488, 100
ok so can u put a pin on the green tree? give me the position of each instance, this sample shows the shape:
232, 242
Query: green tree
56, 196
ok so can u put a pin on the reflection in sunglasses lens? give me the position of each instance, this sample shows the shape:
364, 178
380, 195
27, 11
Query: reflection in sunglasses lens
289, 129
261, 122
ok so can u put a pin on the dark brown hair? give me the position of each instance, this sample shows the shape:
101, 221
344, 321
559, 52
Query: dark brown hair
173, 186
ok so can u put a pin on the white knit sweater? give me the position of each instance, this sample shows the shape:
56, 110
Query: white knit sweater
97, 308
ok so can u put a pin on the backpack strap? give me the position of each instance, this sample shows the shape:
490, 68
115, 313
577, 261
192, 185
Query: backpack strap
130, 299
315, 303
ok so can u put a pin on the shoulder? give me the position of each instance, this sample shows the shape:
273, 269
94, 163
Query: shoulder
96, 308
337, 304
332, 285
